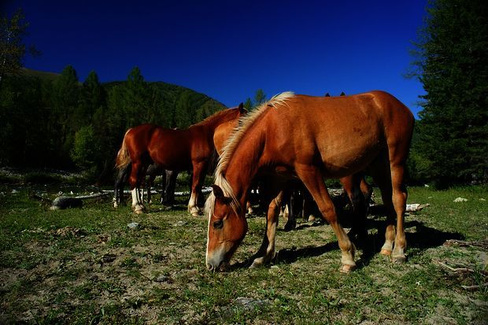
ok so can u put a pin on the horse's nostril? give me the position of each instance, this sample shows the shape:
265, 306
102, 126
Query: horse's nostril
210, 267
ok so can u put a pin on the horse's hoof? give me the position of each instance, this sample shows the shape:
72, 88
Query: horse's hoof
346, 268
399, 258
385, 252
290, 226
138, 209
195, 212
258, 262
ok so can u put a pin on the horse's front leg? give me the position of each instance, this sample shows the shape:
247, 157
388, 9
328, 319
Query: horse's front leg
199, 169
267, 251
313, 179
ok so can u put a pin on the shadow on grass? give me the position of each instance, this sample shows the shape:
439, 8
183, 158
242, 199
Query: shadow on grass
291, 255
418, 241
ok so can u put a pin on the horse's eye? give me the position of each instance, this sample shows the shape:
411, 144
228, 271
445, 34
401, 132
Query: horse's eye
218, 224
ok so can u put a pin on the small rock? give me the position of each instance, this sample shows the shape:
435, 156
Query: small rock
66, 202
460, 199
249, 303
415, 207
133, 225
108, 258
163, 278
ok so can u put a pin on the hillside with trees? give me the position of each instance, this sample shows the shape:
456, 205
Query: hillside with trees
57, 121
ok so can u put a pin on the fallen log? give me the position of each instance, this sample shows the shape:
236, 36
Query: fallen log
66, 202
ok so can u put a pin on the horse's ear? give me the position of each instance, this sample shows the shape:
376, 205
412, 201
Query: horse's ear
327, 95
241, 109
219, 195
343, 94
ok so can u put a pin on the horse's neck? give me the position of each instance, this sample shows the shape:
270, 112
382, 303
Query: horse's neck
213, 123
244, 165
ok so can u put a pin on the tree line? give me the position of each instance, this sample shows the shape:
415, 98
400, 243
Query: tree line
56, 121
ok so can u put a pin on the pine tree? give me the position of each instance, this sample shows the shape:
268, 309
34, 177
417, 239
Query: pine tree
64, 102
12, 47
452, 64
259, 97
92, 98
136, 98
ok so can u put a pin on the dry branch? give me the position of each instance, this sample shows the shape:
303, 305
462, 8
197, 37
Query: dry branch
462, 243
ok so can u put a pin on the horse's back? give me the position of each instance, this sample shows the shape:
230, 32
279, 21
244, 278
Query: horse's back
344, 132
138, 138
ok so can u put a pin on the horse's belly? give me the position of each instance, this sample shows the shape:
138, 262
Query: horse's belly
345, 158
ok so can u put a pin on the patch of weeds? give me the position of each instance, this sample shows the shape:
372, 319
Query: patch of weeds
120, 240
84, 291
111, 287
130, 262
135, 302
70, 274
158, 258
158, 295
60, 297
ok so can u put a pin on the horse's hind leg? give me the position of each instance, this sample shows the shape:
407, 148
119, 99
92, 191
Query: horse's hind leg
168, 197
353, 187
389, 178
135, 180
199, 169
121, 179
267, 249
313, 180
289, 212
399, 203
149, 186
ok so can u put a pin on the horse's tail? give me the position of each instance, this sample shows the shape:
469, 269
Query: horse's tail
123, 159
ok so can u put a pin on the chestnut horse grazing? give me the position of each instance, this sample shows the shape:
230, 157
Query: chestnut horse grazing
311, 138
179, 150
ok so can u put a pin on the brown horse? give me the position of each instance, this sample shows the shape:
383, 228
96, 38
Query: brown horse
311, 138
357, 190
188, 149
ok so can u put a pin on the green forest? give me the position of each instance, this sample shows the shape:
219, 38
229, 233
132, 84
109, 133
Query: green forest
57, 121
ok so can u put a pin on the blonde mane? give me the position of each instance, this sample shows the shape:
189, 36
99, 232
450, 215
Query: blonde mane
232, 143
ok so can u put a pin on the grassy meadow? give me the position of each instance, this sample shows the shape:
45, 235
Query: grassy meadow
87, 266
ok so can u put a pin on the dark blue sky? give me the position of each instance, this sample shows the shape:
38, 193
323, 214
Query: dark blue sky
229, 49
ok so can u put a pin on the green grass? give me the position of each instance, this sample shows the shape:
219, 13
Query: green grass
85, 266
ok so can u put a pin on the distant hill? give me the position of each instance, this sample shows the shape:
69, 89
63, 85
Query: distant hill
175, 90
38, 74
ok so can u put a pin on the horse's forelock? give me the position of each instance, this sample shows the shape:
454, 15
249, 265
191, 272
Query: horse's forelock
228, 192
